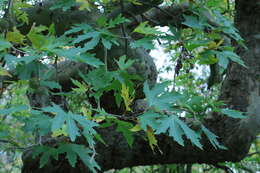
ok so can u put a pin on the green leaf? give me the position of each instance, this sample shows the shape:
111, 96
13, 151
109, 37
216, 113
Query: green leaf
193, 44
169, 124
79, 27
84, 155
13, 109
231, 55
123, 63
176, 33
98, 78
50, 84
64, 5
11, 61
232, 113
90, 59
86, 36
88, 128
118, 20
149, 119
59, 119
72, 128
189, 133
212, 138
72, 53
192, 22
106, 43
38, 122
143, 28
81, 87
48, 153
146, 43
37, 38
159, 98
70, 154
4, 44
207, 57
124, 128
92, 43
102, 21
223, 61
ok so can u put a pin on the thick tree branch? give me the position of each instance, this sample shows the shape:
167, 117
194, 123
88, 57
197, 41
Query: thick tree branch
130, 8
117, 151
173, 15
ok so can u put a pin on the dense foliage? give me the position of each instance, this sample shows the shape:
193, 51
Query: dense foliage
198, 51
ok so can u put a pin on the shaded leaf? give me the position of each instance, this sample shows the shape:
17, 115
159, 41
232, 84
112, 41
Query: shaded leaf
232, 113
212, 138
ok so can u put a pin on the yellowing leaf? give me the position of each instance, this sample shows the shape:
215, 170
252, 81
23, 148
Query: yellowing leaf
4, 72
214, 45
99, 119
60, 132
135, 2
151, 138
126, 97
86, 112
84, 4
144, 28
136, 128
36, 37
15, 36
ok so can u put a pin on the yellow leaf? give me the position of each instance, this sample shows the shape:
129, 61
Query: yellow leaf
136, 128
135, 2
60, 132
151, 138
126, 97
214, 45
86, 112
4, 72
84, 4
220, 42
15, 36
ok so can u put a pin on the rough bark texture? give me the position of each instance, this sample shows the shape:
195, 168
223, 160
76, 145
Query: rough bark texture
241, 90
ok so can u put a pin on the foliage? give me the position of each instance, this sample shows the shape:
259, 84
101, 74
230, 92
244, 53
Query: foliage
170, 101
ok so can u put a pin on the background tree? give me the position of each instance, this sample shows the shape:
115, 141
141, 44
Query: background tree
79, 87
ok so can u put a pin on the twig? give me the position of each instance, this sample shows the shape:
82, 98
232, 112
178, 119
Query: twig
224, 168
228, 5
8, 11
16, 145
149, 20
18, 50
123, 26
94, 153
105, 58
5, 141
246, 168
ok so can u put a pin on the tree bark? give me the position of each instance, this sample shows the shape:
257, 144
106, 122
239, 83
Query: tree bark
240, 90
